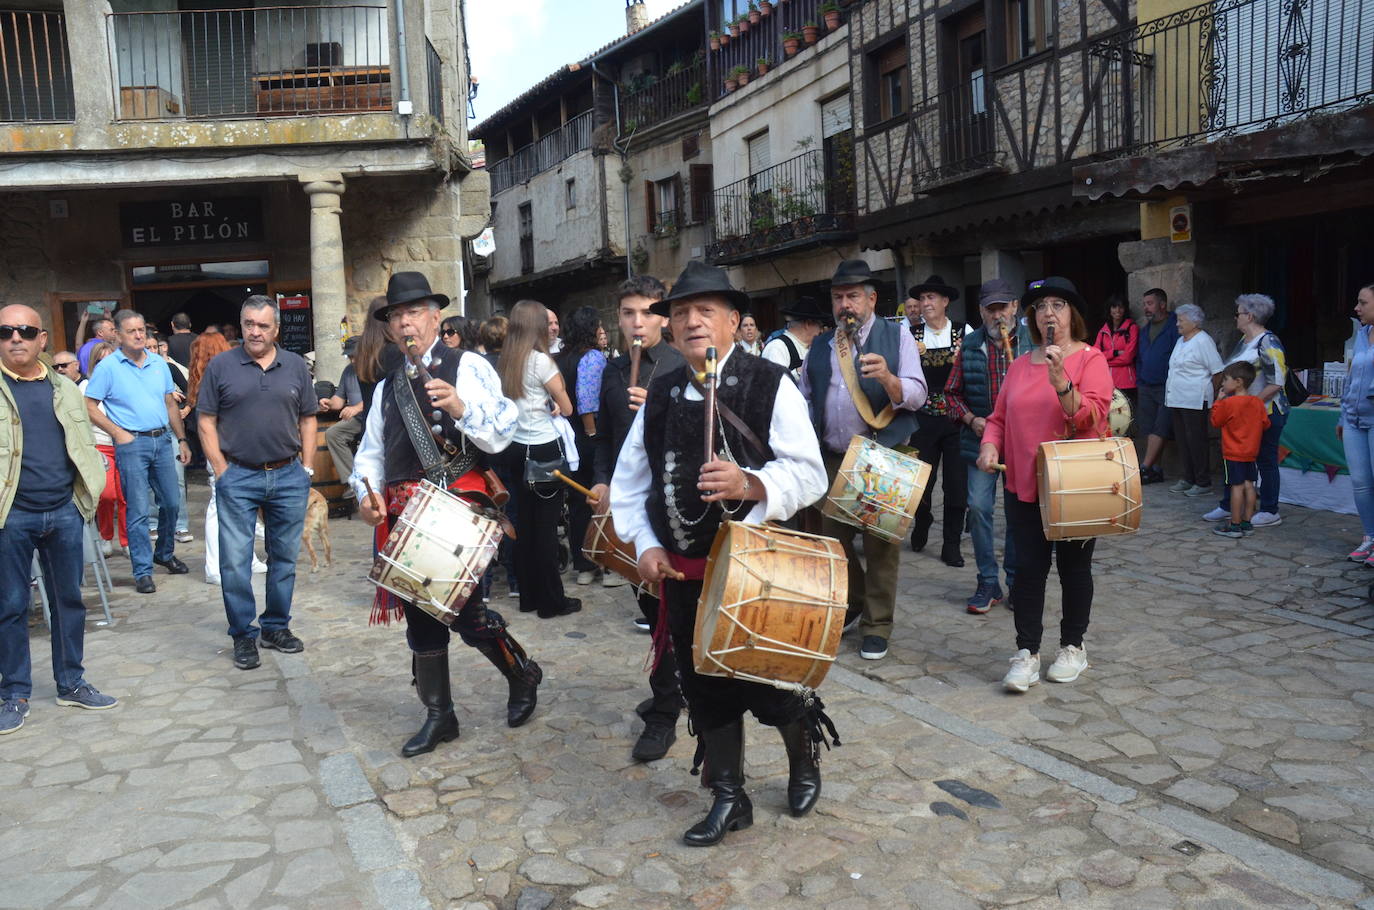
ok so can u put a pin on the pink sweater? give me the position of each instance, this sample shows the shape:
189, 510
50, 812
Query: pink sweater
1028, 413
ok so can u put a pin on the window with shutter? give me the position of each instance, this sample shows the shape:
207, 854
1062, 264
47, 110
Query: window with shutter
701, 178
835, 117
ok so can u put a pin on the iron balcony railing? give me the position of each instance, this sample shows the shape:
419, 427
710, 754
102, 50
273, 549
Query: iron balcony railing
790, 201
36, 67
542, 154
669, 95
1232, 66
269, 61
762, 40
954, 133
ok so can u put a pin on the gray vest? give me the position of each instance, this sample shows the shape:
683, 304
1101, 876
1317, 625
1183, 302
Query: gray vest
884, 339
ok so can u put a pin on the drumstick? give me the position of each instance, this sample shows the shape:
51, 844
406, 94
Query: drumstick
636, 351
576, 486
371, 496
674, 574
710, 405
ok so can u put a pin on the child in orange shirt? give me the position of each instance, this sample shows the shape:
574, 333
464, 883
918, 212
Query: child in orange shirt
1242, 419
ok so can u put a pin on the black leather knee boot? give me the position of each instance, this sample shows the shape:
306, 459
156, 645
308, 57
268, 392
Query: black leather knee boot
432, 684
804, 769
724, 774
522, 674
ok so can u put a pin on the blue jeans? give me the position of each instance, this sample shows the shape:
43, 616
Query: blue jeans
57, 536
1268, 464
982, 500
1359, 455
145, 463
183, 513
282, 495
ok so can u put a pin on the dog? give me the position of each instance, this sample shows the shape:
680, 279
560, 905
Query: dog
317, 522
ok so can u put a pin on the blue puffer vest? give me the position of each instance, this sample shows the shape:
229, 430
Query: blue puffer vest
885, 339
973, 357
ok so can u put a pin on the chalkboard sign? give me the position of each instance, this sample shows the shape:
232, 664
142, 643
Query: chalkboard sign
297, 327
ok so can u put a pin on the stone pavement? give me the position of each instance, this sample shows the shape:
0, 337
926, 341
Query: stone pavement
1216, 755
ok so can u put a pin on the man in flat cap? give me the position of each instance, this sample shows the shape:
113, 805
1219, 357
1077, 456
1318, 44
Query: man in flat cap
669, 501
881, 402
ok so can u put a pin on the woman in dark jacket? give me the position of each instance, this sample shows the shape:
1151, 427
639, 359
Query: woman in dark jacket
581, 362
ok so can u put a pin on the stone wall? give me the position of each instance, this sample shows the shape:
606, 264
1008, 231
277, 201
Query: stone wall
561, 234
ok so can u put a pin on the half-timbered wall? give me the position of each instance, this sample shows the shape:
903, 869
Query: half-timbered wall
1059, 105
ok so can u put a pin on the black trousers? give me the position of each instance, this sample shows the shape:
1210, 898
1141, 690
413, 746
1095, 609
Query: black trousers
579, 513
667, 694
537, 515
1074, 558
475, 623
715, 701
1190, 432
936, 441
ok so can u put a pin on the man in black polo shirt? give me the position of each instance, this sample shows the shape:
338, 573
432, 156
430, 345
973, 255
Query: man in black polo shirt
257, 409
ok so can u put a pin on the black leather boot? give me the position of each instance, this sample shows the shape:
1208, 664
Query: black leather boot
804, 769
432, 684
950, 555
920, 532
522, 674
724, 774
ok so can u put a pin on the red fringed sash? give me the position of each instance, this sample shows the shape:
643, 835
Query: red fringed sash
385, 605
694, 570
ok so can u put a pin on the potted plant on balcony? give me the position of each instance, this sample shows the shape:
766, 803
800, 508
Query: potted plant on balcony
734, 28
763, 63
715, 41
811, 33
693, 94
742, 74
725, 35
765, 7
830, 11
743, 24
754, 14
731, 81
791, 42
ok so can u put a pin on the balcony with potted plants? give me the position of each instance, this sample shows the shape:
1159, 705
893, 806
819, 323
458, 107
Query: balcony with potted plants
650, 99
769, 34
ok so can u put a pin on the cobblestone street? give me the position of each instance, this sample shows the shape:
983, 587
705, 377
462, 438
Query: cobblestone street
1219, 753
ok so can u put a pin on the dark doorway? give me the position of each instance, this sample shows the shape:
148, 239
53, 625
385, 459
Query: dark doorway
1095, 268
964, 105
205, 306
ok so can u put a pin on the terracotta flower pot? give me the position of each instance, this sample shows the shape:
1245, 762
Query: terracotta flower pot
754, 17
765, 8
715, 43
743, 79
790, 46
832, 20
734, 29
811, 34
763, 69
744, 26
724, 39
731, 84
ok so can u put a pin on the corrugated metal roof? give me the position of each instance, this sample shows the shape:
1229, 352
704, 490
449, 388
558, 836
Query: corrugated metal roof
569, 71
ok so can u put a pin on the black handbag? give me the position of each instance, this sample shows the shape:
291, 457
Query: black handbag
1294, 389
537, 472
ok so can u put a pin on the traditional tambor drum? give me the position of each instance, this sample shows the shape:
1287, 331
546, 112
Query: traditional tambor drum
772, 606
1088, 487
877, 489
437, 552
1119, 415
603, 547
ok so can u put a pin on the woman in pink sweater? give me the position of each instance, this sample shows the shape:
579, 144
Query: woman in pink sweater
1061, 390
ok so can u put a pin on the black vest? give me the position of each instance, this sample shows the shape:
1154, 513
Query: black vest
675, 440
398, 452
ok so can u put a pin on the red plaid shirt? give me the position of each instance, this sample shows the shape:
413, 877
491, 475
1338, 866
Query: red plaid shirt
997, 374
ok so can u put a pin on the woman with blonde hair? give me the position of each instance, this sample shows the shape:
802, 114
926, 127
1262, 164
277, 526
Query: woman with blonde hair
531, 379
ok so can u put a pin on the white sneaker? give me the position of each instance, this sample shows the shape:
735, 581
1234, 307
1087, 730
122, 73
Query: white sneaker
1068, 664
259, 567
1218, 514
185, 537
1180, 486
107, 549
612, 580
586, 578
1024, 672
1362, 552
1198, 490
1266, 519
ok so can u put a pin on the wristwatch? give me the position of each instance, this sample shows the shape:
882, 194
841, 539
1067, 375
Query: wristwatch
1067, 389
309, 470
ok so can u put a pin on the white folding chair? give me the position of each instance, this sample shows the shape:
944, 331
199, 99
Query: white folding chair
93, 557
36, 584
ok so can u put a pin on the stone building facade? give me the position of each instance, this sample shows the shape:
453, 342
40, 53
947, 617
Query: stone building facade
176, 177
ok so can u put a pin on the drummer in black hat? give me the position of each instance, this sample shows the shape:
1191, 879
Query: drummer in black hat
936, 440
669, 501
462, 403
805, 319
888, 381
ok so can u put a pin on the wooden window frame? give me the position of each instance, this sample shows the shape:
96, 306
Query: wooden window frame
882, 65
1042, 13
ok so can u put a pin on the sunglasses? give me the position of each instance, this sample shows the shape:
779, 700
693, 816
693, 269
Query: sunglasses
448, 332
64, 364
26, 332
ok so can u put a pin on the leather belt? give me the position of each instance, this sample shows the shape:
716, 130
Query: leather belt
154, 433
265, 466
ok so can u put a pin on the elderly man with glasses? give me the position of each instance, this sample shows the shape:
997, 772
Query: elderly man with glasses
48, 491
66, 364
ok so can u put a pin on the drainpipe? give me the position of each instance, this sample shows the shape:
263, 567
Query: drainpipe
404, 107
624, 161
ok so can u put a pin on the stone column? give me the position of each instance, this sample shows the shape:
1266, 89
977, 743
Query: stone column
328, 290
1003, 264
92, 85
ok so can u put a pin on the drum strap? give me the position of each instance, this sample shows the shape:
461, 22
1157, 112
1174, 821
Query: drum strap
877, 421
730, 417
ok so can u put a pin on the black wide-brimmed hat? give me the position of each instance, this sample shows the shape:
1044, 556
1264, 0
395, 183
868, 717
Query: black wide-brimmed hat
851, 271
937, 284
701, 280
1053, 286
809, 308
407, 287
